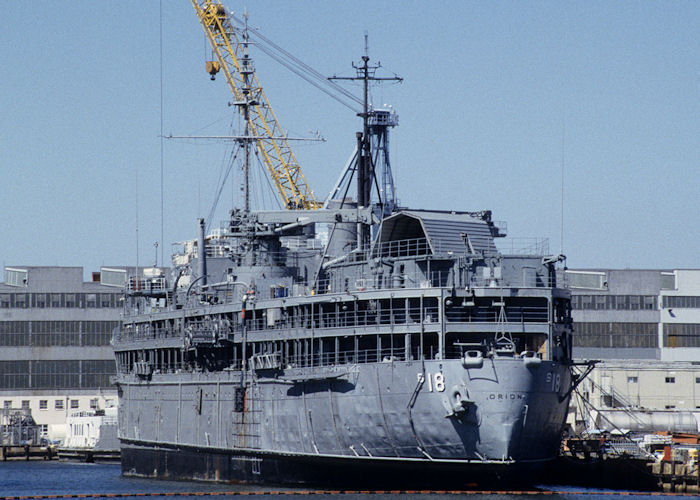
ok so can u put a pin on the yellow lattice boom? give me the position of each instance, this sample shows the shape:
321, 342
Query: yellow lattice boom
271, 142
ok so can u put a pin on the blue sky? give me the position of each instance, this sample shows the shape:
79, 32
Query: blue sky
497, 97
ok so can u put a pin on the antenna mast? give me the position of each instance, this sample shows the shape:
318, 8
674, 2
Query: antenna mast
365, 165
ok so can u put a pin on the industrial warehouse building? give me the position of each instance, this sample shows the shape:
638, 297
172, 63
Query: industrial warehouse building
644, 327
55, 352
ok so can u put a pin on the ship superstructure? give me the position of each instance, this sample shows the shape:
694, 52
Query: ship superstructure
403, 348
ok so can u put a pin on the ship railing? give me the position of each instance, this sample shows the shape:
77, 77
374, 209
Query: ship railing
424, 280
260, 256
484, 314
402, 248
141, 284
277, 361
385, 282
350, 357
457, 350
144, 331
347, 319
523, 246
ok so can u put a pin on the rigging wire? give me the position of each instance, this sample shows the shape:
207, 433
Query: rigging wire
162, 190
302, 69
234, 152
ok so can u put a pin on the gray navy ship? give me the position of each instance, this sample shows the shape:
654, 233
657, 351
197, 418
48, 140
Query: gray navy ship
356, 344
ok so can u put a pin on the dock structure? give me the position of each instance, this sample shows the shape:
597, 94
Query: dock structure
27, 452
677, 469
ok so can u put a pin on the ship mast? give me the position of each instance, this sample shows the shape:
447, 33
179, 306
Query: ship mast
244, 105
365, 165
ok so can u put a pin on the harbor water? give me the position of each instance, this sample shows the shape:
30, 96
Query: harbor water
49, 479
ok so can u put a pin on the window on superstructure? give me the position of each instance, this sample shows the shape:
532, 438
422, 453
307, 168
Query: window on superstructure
58, 404
7, 404
632, 380
74, 404
43, 404
25, 404
5, 300
670, 380
93, 404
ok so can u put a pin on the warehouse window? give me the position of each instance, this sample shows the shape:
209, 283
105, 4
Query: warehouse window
681, 334
14, 333
39, 300
55, 374
599, 334
614, 302
681, 301
21, 300
14, 374
70, 300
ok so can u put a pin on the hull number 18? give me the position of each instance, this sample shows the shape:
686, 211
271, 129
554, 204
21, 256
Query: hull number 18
436, 381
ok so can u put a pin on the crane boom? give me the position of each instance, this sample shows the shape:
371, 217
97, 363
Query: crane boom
234, 62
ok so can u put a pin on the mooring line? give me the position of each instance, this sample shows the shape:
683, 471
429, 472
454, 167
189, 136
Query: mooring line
343, 492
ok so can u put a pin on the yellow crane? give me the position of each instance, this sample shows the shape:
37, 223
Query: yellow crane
261, 122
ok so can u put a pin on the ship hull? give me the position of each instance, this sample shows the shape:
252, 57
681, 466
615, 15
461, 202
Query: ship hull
227, 466
434, 424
